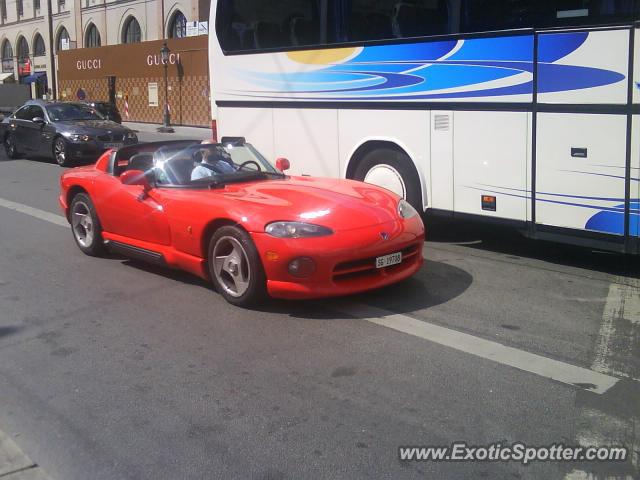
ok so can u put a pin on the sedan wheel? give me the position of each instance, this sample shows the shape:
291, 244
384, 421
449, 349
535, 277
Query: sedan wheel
10, 146
235, 266
85, 225
60, 152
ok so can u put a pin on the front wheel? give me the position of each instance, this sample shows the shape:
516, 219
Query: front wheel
235, 267
10, 146
85, 225
60, 152
393, 170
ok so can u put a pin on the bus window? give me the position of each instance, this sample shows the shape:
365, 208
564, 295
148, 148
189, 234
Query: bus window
386, 19
488, 15
257, 25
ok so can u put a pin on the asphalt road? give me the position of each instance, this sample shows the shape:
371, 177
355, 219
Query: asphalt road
111, 369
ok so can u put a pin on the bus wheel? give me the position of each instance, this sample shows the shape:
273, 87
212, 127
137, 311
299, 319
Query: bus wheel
391, 169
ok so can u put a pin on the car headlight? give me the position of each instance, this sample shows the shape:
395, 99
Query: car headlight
296, 230
131, 136
79, 137
405, 210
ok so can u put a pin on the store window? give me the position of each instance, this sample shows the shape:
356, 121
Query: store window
7, 57
38, 46
131, 32
178, 25
63, 38
92, 38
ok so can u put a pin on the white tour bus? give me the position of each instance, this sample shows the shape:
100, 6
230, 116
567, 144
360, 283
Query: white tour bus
524, 112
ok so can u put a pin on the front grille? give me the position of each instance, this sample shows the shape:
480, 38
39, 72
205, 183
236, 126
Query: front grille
366, 267
116, 137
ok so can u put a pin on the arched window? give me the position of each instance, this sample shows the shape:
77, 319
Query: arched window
38, 46
23, 48
62, 35
178, 25
92, 37
7, 57
131, 32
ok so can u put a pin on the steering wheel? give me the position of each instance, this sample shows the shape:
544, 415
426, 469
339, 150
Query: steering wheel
249, 162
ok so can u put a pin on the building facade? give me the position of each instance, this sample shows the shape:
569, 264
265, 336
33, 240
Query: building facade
27, 37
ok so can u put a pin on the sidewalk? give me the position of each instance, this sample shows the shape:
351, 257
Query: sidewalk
15, 465
151, 129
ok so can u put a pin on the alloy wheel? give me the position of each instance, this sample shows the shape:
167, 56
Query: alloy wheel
231, 266
82, 223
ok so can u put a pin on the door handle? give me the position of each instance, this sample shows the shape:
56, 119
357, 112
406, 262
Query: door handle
578, 152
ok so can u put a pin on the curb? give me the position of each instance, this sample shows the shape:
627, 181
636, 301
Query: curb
15, 464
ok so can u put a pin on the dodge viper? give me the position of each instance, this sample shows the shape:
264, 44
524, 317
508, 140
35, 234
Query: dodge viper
224, 213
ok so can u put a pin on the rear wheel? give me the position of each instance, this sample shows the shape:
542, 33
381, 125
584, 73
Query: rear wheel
235, 267
10, 146
60, 152
85, 225
391, 169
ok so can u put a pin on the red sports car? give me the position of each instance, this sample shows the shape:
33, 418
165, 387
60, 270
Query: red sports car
224, 213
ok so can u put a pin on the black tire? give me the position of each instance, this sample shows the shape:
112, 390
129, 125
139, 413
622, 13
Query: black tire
401, 163
10, 146
233, 246
87, 234
60, 154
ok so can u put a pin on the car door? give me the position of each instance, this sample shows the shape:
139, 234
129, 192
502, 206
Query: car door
32, 132
17, 127
126, 211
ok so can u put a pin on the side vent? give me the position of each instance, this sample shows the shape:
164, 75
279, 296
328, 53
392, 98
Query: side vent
441, 123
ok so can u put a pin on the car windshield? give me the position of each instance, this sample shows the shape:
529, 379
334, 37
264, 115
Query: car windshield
72, 111
208, 165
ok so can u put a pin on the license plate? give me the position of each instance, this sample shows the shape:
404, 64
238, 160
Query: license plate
112, 145
388, 260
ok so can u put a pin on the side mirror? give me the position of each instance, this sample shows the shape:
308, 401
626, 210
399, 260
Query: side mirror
136, 177
282, 164
39, 120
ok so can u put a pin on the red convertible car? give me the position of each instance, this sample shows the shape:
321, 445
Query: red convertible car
224, 213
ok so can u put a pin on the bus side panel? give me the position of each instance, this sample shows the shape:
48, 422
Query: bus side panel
255, 124
490, 159
441, 160
309, 139
408, 129
593, 73
634, 219
580, 171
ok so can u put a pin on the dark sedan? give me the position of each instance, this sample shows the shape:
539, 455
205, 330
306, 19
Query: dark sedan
68, 132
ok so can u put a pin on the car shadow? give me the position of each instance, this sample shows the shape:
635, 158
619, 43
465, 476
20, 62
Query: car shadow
436, 283
9, 330
511, 243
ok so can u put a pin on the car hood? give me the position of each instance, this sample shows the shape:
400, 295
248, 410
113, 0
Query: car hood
338, 204
92, 126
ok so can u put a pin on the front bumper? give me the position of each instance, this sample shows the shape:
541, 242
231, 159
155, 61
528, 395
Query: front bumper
91, 149
345, 261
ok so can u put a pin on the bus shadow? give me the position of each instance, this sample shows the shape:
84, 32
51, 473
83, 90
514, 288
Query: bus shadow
511, 243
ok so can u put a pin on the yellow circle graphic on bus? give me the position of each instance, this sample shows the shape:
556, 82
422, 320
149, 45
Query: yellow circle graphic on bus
323, 57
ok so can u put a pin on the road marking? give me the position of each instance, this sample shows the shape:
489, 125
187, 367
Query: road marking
595, 382
622, 306
34, 212
15, 465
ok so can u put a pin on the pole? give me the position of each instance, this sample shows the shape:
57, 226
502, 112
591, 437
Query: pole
166, 96
52, 58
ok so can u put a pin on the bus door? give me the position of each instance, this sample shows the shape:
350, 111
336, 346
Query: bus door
581, 143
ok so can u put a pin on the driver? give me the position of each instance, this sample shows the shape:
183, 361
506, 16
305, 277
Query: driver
214, 160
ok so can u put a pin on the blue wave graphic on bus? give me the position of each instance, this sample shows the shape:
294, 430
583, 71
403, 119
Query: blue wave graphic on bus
482, 67
613, 222
608, 219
